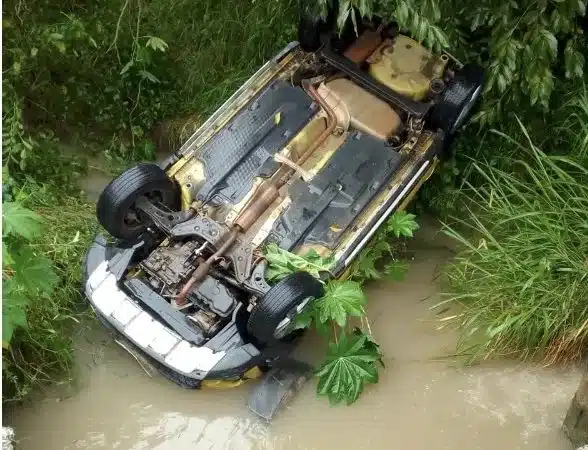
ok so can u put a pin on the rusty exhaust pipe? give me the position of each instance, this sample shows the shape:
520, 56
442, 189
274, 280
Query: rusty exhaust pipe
202, 270
266, 193
364, 46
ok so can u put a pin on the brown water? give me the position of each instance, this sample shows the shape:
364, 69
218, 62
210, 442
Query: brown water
423, 401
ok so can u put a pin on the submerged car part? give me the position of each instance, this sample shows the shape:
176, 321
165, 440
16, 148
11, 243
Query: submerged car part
307, 176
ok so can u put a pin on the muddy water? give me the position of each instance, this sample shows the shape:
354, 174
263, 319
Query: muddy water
423, 400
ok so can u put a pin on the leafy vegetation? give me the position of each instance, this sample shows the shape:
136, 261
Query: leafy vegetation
522, 279
525, 46
350, 364
41, 278
352, 356
106, 75
25, 274
283, 263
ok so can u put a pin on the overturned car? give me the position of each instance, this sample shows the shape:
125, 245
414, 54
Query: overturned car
313, 152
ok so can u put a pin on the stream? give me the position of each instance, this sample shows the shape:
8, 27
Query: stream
424, 399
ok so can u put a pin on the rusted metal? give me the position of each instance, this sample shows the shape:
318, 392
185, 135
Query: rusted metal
264, 196
364, 46
284, 173
266, 193
202, 270
207, 321
436, 86
406, 67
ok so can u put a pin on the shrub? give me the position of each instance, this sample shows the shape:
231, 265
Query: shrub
110, 71
42, 296
522, 279
525, 46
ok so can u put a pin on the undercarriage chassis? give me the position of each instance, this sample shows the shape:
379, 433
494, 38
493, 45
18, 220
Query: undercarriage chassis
313, 152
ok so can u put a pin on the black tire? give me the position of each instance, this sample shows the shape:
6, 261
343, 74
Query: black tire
312, 25
278, 302
118, 198
458, 100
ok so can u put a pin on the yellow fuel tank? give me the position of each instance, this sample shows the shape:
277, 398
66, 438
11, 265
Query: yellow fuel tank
406, 67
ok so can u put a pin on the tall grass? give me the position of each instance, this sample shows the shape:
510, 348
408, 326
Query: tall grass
217, 45
522, 278
42, 352
575, 125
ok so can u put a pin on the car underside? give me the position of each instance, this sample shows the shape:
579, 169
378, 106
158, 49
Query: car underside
313, 152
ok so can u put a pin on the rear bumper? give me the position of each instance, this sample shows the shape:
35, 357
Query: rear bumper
127, 316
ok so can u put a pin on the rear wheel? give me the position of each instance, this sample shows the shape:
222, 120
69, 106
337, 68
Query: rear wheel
274, 316
116, 210
312, 24
458, 100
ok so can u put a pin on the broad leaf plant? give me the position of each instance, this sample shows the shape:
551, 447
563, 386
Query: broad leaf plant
353, 356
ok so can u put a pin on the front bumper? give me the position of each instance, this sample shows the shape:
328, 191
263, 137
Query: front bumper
129, 317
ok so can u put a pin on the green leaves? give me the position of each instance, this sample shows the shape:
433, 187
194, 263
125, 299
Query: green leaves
420, 22
368, 265
402, 224
26, 275
396, 270
19, 221
156, 44
342, 299
14, 302
146, 75
574, 60
350, 365
33, 273
282, 263
548, 42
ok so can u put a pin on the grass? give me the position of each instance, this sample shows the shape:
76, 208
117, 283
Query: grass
43, 352
522, 280
214, 48
575, 125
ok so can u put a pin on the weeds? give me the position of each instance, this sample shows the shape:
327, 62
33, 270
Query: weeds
353, 355
41, 351
522, 279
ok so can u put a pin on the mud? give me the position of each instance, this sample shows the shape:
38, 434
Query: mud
424, 399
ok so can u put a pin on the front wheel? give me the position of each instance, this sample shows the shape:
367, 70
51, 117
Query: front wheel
274, 316
116, 210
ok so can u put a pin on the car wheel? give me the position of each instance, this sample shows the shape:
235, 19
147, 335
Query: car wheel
312, 25
274, 316
116, 210
458, 100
